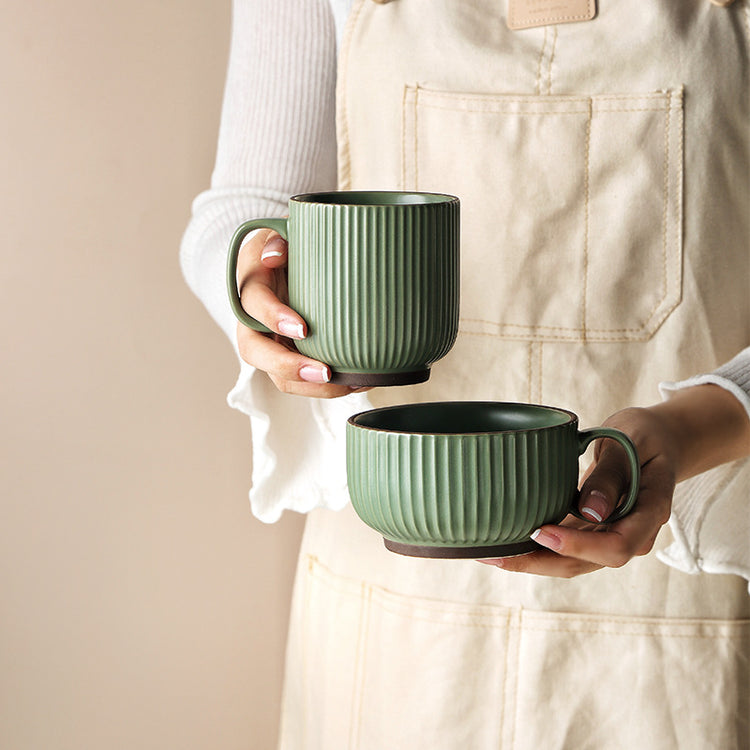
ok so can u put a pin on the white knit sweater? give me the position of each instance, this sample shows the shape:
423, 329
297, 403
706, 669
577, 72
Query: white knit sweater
277, 138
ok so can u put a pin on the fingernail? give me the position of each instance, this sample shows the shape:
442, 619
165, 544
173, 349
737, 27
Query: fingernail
596, 506
273, 249
546, 539
315, 374
292, 329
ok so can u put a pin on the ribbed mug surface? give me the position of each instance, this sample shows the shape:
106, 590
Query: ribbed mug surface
376, 279
481, 489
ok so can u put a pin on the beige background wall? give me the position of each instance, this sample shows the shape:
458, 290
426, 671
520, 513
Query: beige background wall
141, 605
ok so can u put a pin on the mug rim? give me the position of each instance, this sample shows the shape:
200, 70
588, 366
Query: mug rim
376, 199
570, 418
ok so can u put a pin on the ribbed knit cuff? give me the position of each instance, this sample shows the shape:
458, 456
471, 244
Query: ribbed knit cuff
734, 377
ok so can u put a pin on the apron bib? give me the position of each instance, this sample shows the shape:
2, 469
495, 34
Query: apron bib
602, 170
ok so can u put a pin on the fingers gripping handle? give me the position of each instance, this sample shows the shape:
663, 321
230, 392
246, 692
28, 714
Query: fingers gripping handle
278, 225
587, 436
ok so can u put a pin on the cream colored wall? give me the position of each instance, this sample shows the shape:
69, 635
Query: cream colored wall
141, 605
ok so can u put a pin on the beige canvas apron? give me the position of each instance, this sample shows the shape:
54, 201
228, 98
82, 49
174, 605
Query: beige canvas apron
603, 173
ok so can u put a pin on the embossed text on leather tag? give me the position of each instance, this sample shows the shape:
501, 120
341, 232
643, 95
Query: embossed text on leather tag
524, 14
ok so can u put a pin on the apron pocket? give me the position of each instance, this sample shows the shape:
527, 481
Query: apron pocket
384, 670
324, 666
588, 682
585, 195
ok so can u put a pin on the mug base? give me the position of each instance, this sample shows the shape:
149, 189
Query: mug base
463, 553
372, 379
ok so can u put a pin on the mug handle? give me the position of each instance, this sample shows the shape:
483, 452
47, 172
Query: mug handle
278, 225
587, 436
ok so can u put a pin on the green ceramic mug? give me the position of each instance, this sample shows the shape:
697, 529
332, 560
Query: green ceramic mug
375, 275
470, 479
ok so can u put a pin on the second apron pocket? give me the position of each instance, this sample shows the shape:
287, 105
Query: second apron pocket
591, 682
571, 208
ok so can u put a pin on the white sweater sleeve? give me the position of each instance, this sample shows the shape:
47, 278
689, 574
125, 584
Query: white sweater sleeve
277, 138
277, 133
710, 518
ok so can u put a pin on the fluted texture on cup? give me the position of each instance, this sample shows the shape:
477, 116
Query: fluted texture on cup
461, 490
377, 284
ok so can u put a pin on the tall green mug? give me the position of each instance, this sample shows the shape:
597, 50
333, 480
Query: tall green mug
374, 274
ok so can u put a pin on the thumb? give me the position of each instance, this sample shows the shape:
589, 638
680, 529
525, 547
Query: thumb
605, 483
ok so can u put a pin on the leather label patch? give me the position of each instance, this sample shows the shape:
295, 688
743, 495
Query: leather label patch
525, 14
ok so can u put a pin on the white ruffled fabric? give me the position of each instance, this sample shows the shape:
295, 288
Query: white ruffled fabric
299, 455
710, 534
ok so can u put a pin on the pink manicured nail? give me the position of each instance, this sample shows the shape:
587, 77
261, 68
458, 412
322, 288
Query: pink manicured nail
273, 249
596, 506
291, 329
271, 253
546, 539
315, 374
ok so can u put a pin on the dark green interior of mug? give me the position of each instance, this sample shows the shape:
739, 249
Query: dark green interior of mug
373, 198
462, 417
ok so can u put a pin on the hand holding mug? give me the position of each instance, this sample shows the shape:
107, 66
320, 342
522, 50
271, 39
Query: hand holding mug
471, 479
694, 431
261, 279
372, 281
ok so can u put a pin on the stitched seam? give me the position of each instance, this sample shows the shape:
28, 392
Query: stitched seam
416, 138
463, 620
629, 634
305, 709
528, 372
603, 337
587, 195
541, 380
516, 99
534, 374
593, 337
504, 693
544, 110
542, 329
560, 98
519, 644
384, 597
647, 624
552, 19
551, 60
538, 85
359, 672
664, 286
677, 191
345, 167
403, 137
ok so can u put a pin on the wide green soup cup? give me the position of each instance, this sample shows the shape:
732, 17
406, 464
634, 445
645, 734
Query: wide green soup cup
469, 479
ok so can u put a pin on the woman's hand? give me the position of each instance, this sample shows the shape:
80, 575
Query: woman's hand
696, 430
261, 277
